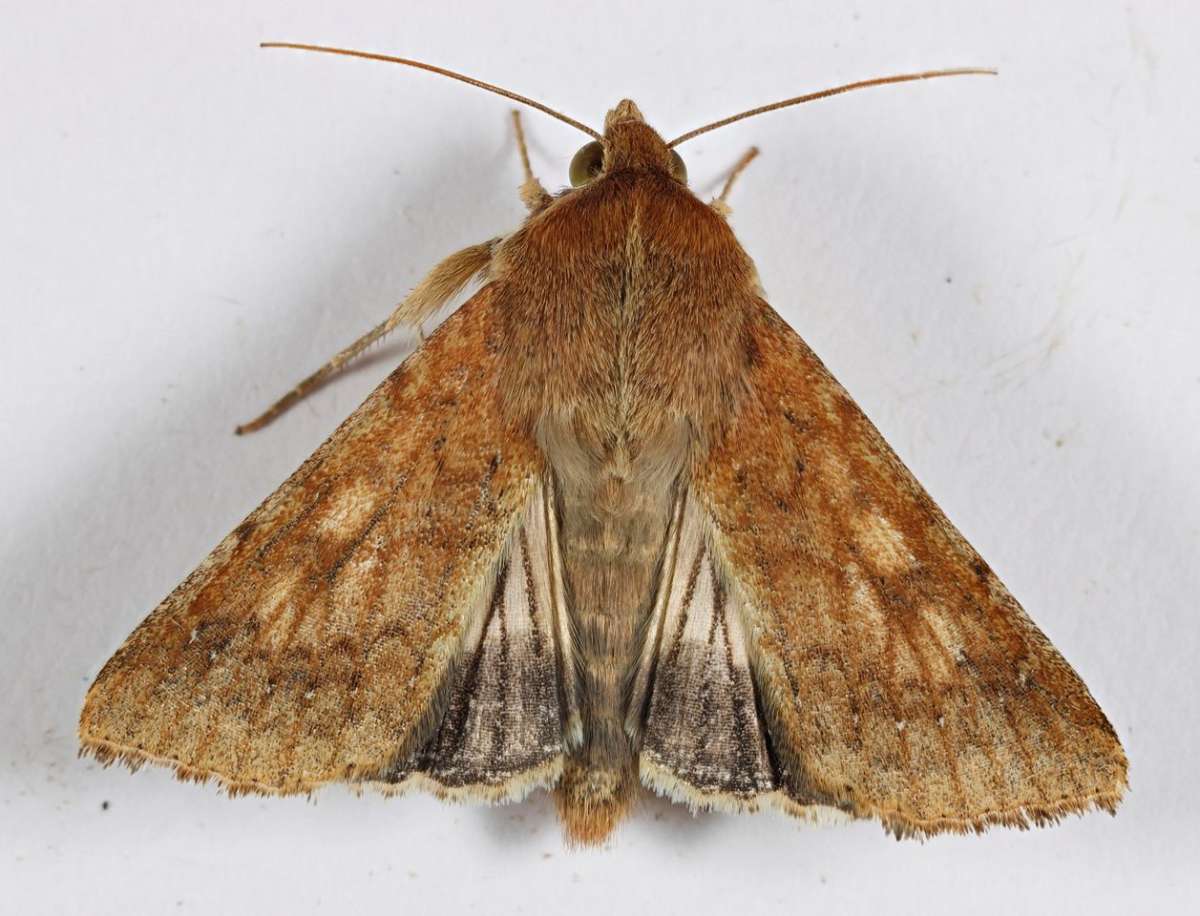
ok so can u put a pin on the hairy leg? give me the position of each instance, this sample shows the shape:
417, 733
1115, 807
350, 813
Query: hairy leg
439, 285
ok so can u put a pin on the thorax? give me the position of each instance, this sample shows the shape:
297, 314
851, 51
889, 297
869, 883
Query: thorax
623, 307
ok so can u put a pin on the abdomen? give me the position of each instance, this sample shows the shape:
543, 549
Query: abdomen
614, 507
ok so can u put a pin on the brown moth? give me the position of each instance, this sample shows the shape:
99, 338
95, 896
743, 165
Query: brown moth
613, 525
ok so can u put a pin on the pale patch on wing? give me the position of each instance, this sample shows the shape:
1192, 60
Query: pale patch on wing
348, 511
946, 636
280, 610
882, 543
865, 602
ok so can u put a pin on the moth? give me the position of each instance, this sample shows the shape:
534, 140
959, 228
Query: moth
612, 526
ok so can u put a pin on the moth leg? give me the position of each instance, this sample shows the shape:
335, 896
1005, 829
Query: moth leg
533, 195
439, 285
719, 203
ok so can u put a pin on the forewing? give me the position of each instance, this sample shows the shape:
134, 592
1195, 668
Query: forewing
315, 640
898, 677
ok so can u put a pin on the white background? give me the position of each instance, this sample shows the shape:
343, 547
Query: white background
1003, 271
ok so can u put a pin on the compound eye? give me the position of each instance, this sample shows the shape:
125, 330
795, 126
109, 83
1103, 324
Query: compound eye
587, 164
678, 168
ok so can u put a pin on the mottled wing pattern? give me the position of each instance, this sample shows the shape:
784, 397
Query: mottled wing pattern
898, 677
315, 640
502, 733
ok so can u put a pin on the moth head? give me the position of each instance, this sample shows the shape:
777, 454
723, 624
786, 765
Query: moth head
629, 143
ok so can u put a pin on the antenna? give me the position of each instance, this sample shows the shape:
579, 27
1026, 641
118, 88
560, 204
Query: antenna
825, 93
386, 58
